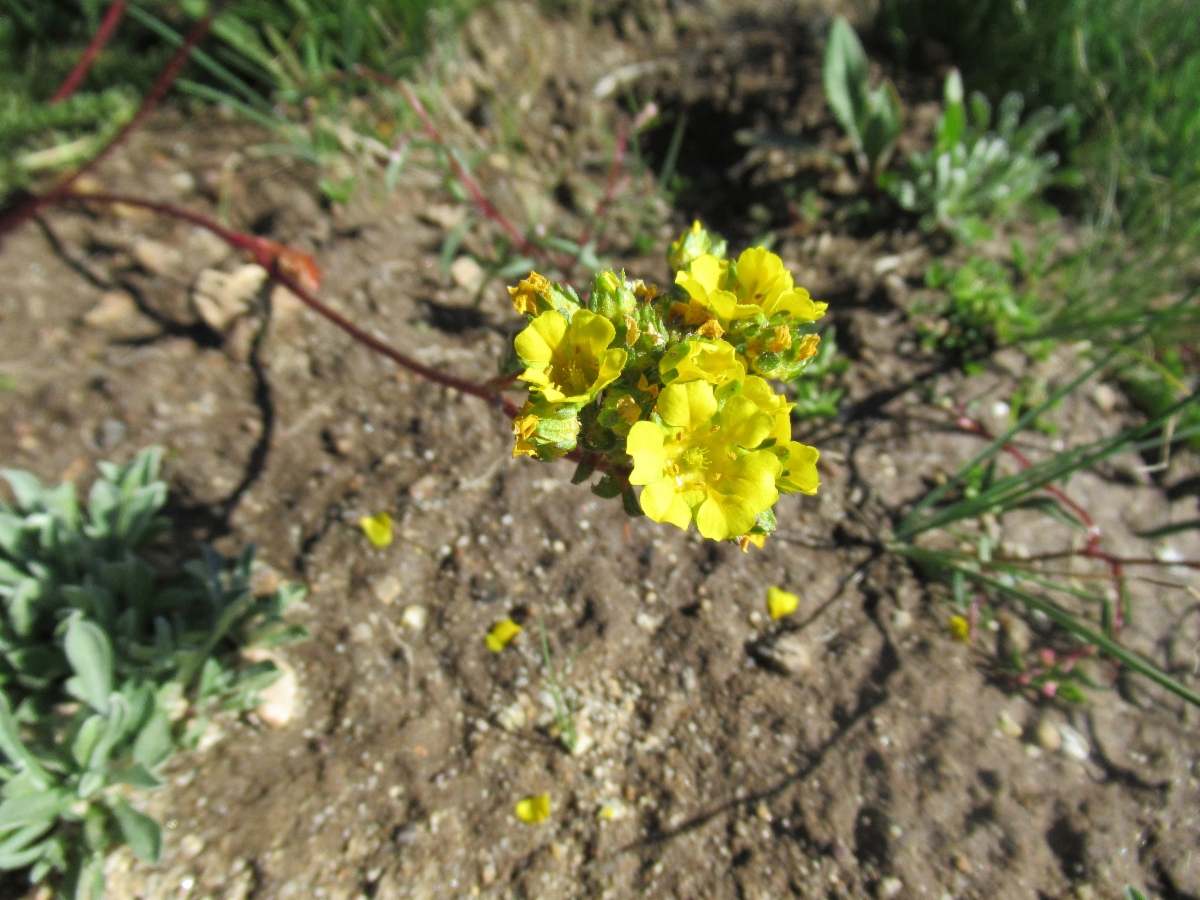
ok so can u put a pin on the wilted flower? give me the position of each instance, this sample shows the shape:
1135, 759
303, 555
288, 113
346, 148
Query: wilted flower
532, 810
781, 603
377, 528
501, 634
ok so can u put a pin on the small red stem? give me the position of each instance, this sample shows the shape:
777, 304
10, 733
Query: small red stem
266, 254
1092, 549
162, 84
109, 24
610, 193
460, 171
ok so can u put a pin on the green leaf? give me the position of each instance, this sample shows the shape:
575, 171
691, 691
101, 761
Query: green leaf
15, 749
953, 124
16, 852
140, 831
138, 776
25, 487
155, 742
90, 654
43, 807
1054, 509
884, 121
583, 472
846, 78
88, 739
1167, 530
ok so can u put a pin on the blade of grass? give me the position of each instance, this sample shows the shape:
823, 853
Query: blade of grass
936, 559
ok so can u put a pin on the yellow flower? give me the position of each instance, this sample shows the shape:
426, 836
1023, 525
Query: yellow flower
378, 529
525, 296
569, 362
700, 464
704, 283
960, 629
501, 633
713, 361
532, 810
773, 404
693, 243
781, 603
799, 475
763, 281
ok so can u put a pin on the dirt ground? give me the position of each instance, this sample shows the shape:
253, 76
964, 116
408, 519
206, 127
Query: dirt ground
851, 750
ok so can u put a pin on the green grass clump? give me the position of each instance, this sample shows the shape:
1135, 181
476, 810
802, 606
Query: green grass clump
108, 666
1131, 67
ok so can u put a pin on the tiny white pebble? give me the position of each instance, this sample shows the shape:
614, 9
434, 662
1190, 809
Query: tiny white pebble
559, 547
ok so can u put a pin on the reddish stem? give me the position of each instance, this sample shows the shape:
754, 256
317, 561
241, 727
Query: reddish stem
32, 206
460, 171
267, 254
1092, 549
610, 193
109, 24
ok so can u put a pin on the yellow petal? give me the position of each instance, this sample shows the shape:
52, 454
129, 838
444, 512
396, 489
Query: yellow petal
645, 444
960, 629
662, 503
687, 405
781, 603
799, 473
501, 633
545, 333
378, 529
532, 810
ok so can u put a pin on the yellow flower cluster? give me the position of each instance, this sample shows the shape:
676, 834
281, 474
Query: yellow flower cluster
668, 391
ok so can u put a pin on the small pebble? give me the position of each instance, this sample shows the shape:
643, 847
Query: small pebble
277, 703
512, 718
1048, 736
112, 308
1008, 725
902, 620
791, 653
962, 863
647, 622
387, 589
1074, 744
415, 617
889, 887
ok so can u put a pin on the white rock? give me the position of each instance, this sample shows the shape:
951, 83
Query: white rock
467, 273
1074, 744
889, 887
647, 622
362, 633
220, 297
902, 620
415, 617
155, 257
387, 589
512, 718
112, 308
276, 704
1105, 398
1048, 736
791, 653
285, 304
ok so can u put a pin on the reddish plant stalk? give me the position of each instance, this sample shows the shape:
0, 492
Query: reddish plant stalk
107, 26
162, 84
272, 257
610, 193
1092, 548
460, 171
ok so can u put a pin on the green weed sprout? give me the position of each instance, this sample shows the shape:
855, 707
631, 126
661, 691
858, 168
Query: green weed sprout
106, 667
972, 173
872, 117
983, 307
953, 511
668, 391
